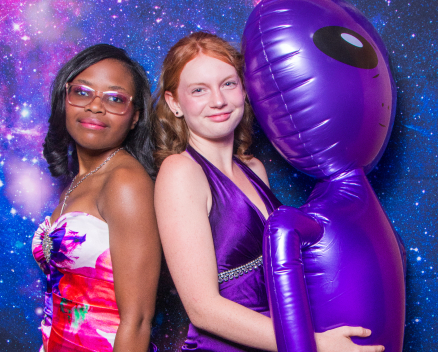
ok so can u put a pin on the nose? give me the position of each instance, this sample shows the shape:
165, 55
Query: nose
217, 99
96, 105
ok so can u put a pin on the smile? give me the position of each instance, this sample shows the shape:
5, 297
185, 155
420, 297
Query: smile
220, 117
93, 124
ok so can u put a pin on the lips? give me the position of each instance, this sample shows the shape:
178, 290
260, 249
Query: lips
220, 117
92, 123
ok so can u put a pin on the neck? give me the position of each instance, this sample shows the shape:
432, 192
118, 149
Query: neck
219, 152
89, 160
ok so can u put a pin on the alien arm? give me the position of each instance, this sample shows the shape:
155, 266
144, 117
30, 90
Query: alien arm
287, 230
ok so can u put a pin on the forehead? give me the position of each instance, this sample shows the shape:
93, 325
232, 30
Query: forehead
107, 74
206, 68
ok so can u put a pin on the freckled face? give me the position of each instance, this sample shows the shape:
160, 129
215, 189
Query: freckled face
92, 127
211, 97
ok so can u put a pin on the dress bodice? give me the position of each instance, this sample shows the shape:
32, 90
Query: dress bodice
237, 228
79, 243
80, 306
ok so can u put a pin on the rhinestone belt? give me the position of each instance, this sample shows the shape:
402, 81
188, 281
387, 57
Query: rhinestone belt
240, 270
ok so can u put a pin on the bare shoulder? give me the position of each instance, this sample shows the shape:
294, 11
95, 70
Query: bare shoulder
258, 168
128, 180
181, 170
179, 163
182, 185
130, 171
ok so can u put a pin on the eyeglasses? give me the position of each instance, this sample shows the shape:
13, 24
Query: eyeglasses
114, 102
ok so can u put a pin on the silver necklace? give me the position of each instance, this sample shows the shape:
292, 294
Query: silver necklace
71, 188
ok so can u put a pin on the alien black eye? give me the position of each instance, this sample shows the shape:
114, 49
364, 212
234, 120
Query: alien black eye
346, 46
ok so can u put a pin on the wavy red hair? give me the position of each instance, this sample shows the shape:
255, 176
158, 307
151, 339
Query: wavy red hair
171, 133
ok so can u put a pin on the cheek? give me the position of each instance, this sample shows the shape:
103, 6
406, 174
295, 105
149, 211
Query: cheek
69, 117
236, 97
191, 106
125, 123
240, 99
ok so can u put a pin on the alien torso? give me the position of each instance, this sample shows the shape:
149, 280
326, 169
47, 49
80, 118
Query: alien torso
318, 78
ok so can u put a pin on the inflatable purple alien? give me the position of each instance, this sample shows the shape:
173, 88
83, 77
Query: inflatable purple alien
318, 78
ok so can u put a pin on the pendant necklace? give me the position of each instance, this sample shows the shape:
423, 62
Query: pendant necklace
71, 188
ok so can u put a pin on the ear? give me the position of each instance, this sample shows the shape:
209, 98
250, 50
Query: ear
135, 119
173, 104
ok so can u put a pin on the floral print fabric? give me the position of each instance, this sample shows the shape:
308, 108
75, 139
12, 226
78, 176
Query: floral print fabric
80, 311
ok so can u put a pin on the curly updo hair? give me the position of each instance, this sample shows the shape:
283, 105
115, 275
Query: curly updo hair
58, 143
171, 133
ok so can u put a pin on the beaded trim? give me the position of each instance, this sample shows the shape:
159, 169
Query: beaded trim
47, 245
240, 270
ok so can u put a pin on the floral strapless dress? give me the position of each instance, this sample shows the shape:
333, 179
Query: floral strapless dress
80, 311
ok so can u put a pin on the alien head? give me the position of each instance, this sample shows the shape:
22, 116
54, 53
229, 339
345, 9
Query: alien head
318, 78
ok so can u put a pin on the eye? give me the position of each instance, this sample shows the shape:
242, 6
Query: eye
82, 91
197, 90
346, 46
230, 84
116, 98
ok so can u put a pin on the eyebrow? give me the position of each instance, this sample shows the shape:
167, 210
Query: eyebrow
83, 81
234, 75
196, 84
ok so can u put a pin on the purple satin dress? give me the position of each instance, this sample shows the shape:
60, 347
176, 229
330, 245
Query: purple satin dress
237, 227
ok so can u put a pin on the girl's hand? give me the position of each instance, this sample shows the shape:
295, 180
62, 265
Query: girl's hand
338, 340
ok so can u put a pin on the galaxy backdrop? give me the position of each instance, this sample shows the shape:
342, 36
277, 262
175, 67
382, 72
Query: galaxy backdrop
38, 37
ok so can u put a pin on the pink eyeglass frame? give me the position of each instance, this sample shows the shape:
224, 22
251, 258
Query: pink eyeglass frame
100, 94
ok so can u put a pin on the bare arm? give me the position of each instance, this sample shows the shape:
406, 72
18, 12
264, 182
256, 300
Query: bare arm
182, 194
181, 200
127, 206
